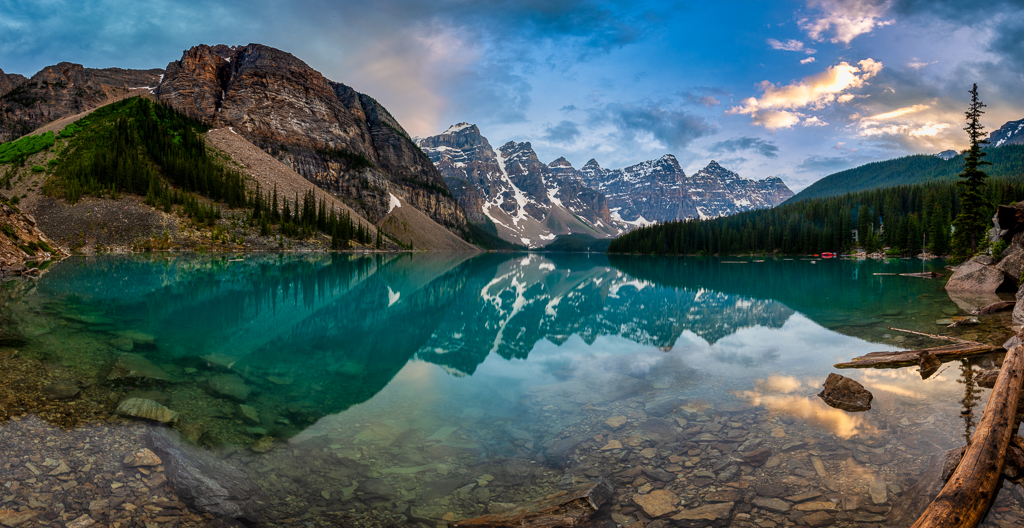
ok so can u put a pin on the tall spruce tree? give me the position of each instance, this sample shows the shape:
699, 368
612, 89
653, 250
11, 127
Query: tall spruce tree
972, 222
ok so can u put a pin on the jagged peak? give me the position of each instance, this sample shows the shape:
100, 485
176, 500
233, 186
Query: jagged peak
517, 146
592, 164
560, 162
713, 164
459, 127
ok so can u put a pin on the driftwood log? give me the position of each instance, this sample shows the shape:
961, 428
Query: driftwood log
995, 307
563, 509
966, 497
960, 349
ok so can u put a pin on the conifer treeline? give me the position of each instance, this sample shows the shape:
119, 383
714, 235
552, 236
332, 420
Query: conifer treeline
141, 147
900, 218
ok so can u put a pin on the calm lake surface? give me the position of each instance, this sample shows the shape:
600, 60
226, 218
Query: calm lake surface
406, 390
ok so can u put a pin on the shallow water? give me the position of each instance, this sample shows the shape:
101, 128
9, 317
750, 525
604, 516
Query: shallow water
405, 389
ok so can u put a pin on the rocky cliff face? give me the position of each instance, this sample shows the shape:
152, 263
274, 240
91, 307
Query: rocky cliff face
1012, 133
659, 191
21, 241
528, 202
61, 90
344, 141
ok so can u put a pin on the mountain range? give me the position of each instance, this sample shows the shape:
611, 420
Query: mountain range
531, 203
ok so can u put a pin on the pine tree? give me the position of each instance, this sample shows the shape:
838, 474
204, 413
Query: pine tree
972, 222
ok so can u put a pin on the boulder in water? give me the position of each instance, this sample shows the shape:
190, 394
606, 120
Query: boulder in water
978, 275
204, 482
846, 394
228, 385
147, 409
135, 368
61, 390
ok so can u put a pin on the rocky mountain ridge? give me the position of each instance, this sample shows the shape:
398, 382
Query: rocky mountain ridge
527, 202
340, 139
659, 191
1011, 133
61, 90
510, 187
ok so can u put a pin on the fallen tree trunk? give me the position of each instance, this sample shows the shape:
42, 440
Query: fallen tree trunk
962, 348
909, 358
966, 497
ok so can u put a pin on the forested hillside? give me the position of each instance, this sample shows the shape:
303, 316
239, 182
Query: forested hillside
901, 218
1007, 164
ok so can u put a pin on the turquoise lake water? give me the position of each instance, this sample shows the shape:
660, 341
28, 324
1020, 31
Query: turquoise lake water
425, 388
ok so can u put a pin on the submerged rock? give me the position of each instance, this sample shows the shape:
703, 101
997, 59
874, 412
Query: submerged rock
986, 378
147, 409
61, 390
657, 503
846, 394
135, 368
229, 385
929, 364
123, 344
142, 458
205, 483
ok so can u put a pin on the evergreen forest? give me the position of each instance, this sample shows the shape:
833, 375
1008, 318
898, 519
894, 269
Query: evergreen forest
901, 220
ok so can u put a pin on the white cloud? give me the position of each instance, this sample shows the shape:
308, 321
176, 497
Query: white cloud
844, 19
790, 45
916, 64
808, 60
892, 114
777, 107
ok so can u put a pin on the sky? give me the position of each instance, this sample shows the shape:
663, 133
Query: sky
796, 89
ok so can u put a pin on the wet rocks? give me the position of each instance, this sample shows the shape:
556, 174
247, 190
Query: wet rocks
142, 458
928, 364
615, 421
757, 458
123, 344
206, 483
657, 503
134, 368
248, 414
986, 378
846, 394
710, 512
61, 390
16, 518
230, 386
771, 504
146, 409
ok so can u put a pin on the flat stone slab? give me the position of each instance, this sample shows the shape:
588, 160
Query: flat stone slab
772, 504
817, 506
146, 409
136, 368
709, 512
657, 503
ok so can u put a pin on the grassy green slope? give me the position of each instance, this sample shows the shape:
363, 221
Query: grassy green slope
1007, 164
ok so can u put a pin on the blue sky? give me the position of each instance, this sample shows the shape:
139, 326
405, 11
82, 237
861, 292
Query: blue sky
794, 89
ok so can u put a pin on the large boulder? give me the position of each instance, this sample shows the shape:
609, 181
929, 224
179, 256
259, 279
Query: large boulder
1018, 309
206, 483
1012, 263
978, 275
846, 394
